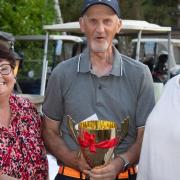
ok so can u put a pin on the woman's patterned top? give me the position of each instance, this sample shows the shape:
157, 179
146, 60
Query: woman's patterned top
22, 152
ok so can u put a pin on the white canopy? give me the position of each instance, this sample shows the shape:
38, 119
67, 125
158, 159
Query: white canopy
51, 37
129, 26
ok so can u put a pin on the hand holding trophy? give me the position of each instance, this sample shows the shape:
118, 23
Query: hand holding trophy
98, 139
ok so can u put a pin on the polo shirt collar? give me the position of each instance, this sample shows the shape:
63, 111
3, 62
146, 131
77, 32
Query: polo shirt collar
84, 64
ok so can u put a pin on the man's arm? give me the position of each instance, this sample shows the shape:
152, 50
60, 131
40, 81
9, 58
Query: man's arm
111, 170
57, 147
133, 153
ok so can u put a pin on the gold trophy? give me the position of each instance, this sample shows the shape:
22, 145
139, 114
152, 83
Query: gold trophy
98, 139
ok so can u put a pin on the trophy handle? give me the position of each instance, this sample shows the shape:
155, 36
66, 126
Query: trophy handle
71, 126
123, 130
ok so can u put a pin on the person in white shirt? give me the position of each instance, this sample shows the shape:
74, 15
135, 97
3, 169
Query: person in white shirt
160, 153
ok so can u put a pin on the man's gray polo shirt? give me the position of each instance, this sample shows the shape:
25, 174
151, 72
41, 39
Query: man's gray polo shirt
127, 91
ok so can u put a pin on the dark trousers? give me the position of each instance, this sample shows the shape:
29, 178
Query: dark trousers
62, 177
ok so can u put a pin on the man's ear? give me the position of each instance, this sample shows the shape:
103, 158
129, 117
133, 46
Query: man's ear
119, 26
81, 23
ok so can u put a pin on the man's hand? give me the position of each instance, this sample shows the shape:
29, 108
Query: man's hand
107, 172
110, 171
79, 161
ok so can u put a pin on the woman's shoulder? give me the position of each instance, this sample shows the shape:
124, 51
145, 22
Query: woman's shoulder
24, 108
20, 101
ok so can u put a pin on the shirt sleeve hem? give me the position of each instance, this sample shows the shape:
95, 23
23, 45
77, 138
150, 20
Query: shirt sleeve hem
140, 127
49, 117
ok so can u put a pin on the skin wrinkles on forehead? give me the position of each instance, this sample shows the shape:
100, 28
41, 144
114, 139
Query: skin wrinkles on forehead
112, 17
113, 20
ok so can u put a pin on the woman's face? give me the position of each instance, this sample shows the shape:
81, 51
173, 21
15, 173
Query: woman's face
7, 79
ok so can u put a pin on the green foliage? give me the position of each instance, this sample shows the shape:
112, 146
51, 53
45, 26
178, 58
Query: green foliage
22, 17
70, 9
131, 9
167, 2
32, 52
25, 16
159, 12
28, 16
154, 11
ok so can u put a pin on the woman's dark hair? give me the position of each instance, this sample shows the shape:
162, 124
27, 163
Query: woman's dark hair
7, 54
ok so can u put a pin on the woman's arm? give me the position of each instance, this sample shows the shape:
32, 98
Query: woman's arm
6, 177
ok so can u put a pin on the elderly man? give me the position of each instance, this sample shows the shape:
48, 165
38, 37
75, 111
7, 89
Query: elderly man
103, 82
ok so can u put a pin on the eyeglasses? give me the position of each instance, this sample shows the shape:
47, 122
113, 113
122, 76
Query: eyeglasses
5, 69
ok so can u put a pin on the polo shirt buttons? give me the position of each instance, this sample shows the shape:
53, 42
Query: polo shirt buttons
99, 97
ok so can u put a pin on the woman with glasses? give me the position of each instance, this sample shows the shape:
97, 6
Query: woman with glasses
22, 152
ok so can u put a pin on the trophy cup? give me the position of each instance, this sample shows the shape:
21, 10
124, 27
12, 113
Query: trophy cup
98, 139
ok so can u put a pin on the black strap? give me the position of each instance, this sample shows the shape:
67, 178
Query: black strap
62, 169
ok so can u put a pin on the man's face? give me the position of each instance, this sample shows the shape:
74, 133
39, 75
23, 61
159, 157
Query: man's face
100, 24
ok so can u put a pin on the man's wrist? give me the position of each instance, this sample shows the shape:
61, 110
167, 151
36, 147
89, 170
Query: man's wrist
125, 161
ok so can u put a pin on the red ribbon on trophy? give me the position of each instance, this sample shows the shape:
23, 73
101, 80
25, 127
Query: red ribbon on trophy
89, 141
